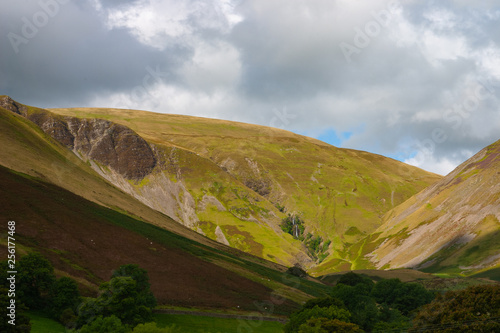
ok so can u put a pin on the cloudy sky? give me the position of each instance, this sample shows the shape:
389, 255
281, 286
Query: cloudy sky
418, 81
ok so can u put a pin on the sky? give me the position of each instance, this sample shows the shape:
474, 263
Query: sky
418, 81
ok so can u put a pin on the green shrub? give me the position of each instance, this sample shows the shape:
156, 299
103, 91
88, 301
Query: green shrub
101, 324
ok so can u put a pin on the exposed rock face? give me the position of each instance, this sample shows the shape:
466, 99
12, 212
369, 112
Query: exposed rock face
54, 126
8, 103
115, 146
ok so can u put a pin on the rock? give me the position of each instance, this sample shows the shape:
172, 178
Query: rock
8, 103
109, 144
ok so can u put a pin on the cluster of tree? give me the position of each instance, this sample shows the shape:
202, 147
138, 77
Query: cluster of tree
293, 225
37, 288
124, 303
357, 304
125, 300
475, 309
316, 247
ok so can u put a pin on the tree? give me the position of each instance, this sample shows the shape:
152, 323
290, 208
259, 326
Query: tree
411, 296
303, 315
101, 324
324, 325
390, 320
143, 287
36, 276
123, 296
384, 291
120, 298
89, 310
297, 271
324, 302
64, 295
475, 309
406, 297
22, 321
353, 279
357, 299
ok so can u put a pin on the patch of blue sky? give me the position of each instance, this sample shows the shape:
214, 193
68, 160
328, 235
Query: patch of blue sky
329, 136
403, 156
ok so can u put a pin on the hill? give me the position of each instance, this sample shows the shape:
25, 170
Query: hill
236, 182
94, 228
450, 227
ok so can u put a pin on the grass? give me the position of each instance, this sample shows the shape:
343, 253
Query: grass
185, 323
41, 324
200, 324
493, 274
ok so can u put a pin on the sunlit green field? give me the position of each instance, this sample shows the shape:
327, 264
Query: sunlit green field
42, 324
198, 324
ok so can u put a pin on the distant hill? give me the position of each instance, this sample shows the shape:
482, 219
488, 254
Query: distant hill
452, 226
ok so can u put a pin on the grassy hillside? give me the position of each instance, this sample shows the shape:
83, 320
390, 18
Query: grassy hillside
451, 227
88, 227
241, 180
87, 241
27, 149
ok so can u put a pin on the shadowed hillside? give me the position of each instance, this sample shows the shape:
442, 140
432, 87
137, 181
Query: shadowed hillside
452, 226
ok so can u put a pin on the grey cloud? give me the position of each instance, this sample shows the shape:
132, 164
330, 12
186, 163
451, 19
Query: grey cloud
74, 57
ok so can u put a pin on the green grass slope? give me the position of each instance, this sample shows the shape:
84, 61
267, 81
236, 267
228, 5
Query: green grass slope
238, 175
451, 227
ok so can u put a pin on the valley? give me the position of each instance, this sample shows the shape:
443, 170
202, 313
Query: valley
227, 216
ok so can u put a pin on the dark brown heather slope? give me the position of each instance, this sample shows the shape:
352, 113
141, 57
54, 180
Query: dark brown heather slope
88, 242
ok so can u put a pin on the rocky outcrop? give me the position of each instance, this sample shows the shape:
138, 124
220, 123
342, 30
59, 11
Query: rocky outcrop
109, 144
8, 103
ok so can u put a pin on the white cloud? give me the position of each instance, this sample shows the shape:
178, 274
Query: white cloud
213, 66
243, 60
438, 47
159, 22
441, 166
